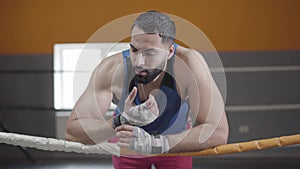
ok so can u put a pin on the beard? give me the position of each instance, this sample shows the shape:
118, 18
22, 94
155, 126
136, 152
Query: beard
151, 74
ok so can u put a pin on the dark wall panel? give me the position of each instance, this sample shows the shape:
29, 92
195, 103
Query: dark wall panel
33, 90
259, 58
26, 81
32, 122
252, 88
253, 125
21, 63
26, 100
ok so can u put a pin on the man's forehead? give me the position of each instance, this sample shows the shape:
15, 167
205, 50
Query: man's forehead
145, 44
141, 40
139, 33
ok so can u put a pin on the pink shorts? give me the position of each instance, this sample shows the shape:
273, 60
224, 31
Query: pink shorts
178, 162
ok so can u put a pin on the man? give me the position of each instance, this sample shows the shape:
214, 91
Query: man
158, 87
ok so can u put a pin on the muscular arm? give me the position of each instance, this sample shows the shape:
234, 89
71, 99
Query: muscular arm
208, 108
87, 123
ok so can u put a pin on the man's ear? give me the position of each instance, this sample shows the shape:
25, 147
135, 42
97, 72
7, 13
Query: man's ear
171, 51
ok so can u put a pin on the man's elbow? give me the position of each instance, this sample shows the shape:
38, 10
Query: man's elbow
68, 136
72, 134
223, 136
70, 131
223, 132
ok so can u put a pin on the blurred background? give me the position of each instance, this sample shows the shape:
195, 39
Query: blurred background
258, 43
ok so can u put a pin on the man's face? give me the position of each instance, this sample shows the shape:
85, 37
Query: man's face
148, 55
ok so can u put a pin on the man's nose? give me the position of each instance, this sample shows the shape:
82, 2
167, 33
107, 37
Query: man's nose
140, 60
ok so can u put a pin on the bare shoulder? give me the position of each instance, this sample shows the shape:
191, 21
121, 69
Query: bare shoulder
189, 56
110, 71
190, 63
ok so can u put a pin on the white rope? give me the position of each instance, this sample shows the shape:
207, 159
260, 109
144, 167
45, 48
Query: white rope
51, 144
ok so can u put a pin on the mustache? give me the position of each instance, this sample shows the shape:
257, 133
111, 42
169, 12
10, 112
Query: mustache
141, 68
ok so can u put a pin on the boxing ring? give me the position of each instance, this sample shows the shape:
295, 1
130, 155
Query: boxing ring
51, 144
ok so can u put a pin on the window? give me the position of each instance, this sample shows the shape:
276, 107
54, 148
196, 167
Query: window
73, 65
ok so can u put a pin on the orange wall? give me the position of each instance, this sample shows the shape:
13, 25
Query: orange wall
33, 26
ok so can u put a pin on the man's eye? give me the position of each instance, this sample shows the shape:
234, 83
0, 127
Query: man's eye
134, 50
150, 53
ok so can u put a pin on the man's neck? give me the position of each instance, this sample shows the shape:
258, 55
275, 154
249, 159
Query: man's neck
145, 89
156, 82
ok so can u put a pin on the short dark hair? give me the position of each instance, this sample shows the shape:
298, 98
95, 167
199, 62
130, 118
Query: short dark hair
156, 22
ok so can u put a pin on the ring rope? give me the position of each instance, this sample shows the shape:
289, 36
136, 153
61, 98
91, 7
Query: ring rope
244, 146
52, 144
